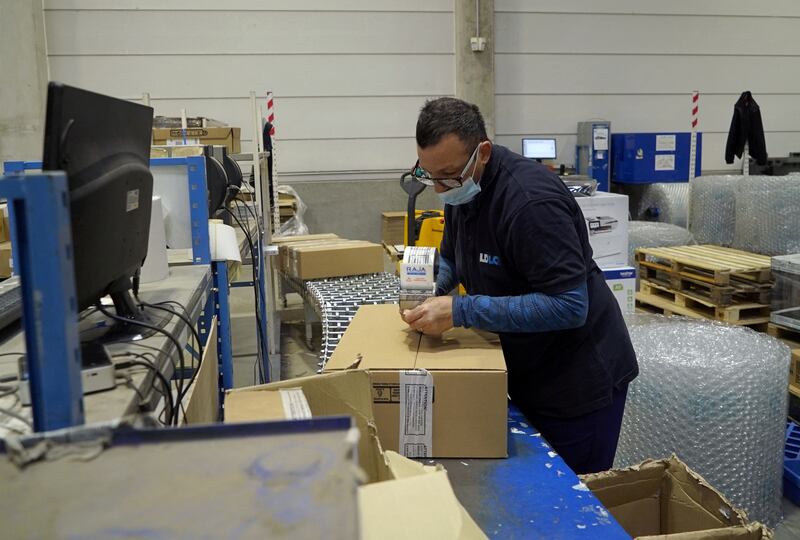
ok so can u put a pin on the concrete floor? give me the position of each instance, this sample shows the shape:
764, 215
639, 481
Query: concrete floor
298, 360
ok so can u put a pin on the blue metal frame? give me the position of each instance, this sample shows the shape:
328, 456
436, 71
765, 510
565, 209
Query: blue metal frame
49, 303
198, 197
219, 271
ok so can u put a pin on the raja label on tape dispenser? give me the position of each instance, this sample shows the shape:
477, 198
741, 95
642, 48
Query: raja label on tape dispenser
417, 270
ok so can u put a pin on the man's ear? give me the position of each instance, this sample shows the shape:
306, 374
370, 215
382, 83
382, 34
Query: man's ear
485, 152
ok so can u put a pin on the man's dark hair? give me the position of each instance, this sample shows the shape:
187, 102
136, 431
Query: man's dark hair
443, 116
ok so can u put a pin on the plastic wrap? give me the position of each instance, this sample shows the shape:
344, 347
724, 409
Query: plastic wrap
767, 216
713, 209
665, 202
653, 234
715, 395
294, 226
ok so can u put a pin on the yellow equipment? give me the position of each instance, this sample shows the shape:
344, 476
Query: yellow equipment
428, 228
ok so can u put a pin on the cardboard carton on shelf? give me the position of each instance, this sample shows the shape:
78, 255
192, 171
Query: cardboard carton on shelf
283, 243
432, 396
396, 487
665, 499
393, 228
229, 137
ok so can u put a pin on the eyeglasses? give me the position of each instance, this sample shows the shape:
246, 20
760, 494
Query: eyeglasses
424, 176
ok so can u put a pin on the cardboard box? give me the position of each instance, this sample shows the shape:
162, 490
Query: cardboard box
606, 217
335, 258
393, 228
225, 136
794, 368
622, 282
665, 498
432, 396
397, 487
6, 264
283, 241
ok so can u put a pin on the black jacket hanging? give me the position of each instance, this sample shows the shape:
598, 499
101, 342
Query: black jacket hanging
746, 127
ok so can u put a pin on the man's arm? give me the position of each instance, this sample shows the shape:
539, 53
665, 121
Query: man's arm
446, 279
535, 312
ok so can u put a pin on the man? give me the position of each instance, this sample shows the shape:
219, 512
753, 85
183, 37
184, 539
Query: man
517, 240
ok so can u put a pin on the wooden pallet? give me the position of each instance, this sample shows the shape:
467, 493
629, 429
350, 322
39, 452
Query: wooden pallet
788, 335
742, 313
707, 264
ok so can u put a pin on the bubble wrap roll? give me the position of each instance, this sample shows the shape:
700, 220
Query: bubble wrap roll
653, 234
716, 396
713, 209
665, 202
767, 216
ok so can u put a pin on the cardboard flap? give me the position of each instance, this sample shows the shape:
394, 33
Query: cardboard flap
754, 531
346, 393
461, 348
379, 337
415, 508
402, 467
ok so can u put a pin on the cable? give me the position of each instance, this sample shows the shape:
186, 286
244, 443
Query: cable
167, 389
257, 295
179, 380
12, 414
182, 317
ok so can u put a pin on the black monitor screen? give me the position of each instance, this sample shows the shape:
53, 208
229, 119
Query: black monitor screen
103, 144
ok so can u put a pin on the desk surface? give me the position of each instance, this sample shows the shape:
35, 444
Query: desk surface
532, 494
188, 285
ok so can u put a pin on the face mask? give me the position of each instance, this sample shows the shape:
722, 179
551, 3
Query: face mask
461, 195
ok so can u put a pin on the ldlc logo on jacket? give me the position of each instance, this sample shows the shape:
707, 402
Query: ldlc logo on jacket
494, 260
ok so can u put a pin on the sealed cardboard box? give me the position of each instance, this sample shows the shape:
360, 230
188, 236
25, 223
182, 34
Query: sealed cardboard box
335, 259
5, 226
225, 136
396, 487
665, 499
284, 241
432, 396
393, 228
606, 216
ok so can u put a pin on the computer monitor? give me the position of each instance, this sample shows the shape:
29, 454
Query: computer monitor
103, 145
539, 148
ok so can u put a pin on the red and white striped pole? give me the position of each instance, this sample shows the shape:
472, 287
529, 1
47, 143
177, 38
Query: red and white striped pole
695, 121
271, 113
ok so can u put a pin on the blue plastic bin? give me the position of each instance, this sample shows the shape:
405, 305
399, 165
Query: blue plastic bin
791, 463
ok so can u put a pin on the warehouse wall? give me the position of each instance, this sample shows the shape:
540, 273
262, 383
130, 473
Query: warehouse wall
349, 76
636, 64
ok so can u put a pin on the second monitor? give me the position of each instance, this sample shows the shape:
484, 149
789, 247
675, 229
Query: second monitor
539, 148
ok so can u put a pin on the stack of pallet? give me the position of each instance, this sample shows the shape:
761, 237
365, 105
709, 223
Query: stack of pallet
706, 282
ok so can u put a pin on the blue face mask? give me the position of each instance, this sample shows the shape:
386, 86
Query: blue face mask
461, 195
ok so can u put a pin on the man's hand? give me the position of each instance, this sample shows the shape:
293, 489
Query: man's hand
433, 317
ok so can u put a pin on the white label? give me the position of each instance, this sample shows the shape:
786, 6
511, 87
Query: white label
179, 142
665, 162
416, 413
416, 272
295, 405
600, 138
132, 202
665, 143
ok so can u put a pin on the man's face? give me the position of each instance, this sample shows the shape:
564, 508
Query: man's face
448, 157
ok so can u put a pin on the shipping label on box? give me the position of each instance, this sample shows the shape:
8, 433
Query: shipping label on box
622, 282
606, 217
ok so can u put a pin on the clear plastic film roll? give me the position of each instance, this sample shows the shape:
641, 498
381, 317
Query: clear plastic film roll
768, 214
643, 234
665, 202
715, 395
713, 209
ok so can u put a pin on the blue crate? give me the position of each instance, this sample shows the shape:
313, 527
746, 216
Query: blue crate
636, 158
791, 464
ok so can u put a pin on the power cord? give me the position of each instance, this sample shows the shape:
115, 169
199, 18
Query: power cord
174, 340
257, 293
182, 317
167, 389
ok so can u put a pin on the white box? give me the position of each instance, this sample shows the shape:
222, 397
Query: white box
622, 282
606, 217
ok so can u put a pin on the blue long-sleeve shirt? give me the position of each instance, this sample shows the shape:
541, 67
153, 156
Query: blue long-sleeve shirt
533, 312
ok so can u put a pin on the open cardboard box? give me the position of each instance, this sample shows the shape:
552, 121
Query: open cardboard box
665, 499
449, 391
401, 499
